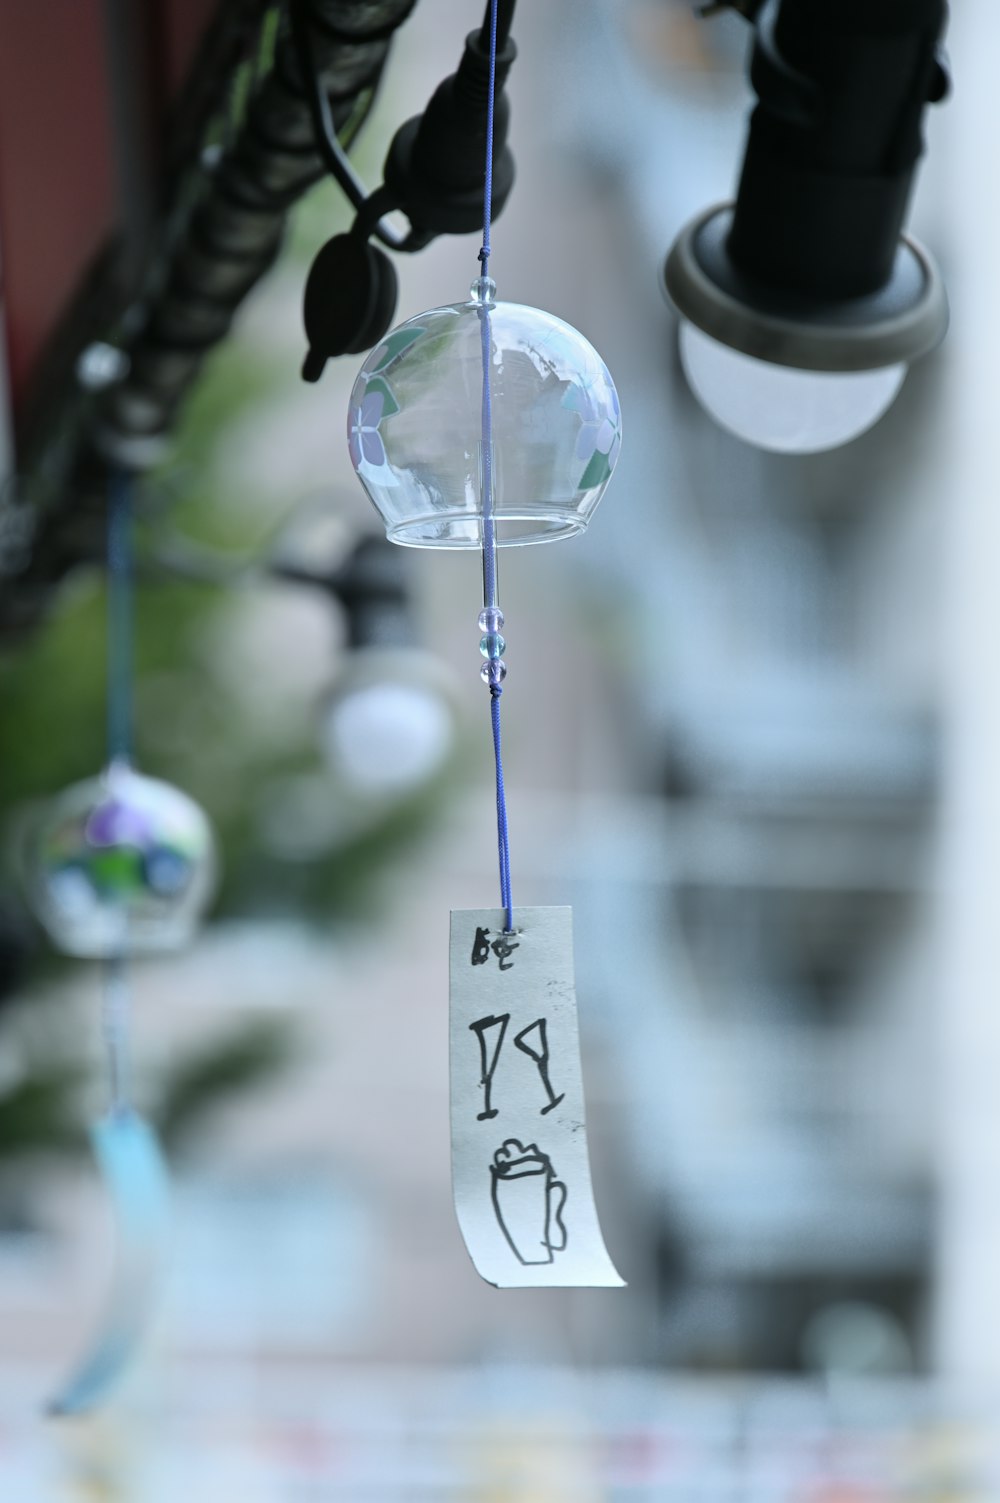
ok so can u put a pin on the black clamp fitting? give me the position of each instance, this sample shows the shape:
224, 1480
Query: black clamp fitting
434, 169
835, 139
433, 175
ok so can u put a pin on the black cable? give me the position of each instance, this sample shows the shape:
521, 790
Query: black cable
221, 234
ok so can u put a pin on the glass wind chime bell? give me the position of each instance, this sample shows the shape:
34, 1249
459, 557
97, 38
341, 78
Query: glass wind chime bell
414, 425
484, 425
121, 865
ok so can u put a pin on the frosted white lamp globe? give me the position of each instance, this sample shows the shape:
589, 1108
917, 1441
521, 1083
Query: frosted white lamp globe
389, 726
788, 371
778, 407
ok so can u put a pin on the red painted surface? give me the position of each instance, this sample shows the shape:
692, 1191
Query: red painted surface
56, 165
182, 25
58, 189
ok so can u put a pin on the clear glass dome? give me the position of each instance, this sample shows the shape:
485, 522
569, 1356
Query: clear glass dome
121, 864
415, 426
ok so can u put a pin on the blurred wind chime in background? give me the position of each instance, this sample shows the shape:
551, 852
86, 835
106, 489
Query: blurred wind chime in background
121, 865
487, 424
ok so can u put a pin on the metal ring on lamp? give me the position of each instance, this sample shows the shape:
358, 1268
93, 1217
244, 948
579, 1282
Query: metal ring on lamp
899, 323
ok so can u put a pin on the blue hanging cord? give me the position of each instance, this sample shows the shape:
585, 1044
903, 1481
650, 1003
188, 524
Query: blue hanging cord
120, 616
486, 483
114, 1022
484, 254
120, 650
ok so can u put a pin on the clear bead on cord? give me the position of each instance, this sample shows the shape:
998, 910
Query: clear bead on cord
492, 646
483, 290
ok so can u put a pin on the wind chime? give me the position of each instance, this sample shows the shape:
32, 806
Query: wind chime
487, 424
121, 865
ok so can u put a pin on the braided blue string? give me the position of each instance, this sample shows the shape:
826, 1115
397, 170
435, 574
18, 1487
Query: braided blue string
484, 254
121, 631
486, 465
486, 481
120, 616
503, 841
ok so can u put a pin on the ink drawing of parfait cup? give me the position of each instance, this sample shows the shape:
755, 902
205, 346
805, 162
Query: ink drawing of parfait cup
528, 1201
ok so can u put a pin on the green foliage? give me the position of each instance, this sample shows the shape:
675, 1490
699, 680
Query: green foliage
40, 1114
43, 1113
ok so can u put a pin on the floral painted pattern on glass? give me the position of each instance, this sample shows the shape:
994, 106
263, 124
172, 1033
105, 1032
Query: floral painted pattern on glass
376, 404
398, 341
364, 439
600, 436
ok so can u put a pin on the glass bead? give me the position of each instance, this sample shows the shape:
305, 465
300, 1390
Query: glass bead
494, 671
415, 427
490, 618
121, 864
492, 645
483, 290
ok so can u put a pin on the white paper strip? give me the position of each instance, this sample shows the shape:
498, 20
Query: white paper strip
520, 1170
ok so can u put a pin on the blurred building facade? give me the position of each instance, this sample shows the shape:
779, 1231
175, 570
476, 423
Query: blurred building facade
751, 725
